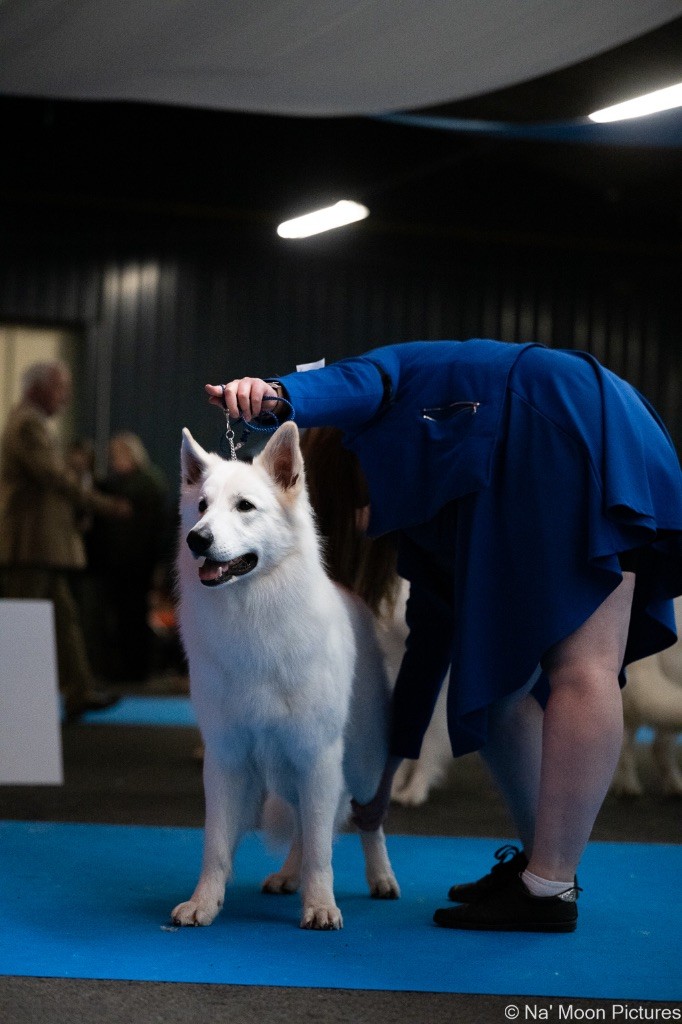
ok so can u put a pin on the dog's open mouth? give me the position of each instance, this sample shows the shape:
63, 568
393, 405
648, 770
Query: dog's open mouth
212, 574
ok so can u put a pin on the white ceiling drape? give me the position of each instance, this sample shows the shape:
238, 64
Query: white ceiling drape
304, 57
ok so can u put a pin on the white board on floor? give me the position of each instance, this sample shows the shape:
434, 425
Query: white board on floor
30, 729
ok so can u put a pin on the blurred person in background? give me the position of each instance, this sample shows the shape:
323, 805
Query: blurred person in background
42, 502
125, 555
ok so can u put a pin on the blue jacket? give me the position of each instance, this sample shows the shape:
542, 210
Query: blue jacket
422, 417
509, 542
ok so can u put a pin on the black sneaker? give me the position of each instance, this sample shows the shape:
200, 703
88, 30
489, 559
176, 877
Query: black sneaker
514, 909
511, 862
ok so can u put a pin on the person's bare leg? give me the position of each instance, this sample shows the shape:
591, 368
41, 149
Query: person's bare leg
582, 734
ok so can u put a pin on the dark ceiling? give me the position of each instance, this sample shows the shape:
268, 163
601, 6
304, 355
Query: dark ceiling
259, 169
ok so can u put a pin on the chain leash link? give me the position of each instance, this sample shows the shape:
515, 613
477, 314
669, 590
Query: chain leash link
229, 431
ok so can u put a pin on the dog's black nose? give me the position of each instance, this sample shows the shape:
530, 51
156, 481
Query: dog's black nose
199, 540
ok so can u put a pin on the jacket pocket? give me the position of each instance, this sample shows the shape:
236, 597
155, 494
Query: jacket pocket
449, 425
452, 411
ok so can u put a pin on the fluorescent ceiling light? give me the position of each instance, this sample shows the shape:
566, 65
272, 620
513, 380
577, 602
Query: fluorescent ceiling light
662, 99
343, 212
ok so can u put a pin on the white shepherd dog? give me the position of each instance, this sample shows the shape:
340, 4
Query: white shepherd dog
287, 678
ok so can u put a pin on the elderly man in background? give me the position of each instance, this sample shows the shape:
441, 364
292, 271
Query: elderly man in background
41, 502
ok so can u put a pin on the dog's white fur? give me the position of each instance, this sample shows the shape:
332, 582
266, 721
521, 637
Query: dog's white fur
286, 677
653, 697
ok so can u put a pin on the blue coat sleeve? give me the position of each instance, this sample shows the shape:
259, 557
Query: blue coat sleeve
346, 394
428, 651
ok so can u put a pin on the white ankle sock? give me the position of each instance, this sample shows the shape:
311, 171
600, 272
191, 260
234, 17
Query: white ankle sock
544, 886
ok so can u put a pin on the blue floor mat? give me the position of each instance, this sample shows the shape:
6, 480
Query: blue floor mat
93, 901
145, 711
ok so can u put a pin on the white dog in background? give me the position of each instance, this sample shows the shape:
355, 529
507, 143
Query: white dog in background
286, 677
653, 698
414, 780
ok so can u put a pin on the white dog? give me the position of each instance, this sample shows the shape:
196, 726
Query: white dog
286, 677
653, 697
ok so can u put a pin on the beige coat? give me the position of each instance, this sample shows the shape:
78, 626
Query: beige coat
40, 498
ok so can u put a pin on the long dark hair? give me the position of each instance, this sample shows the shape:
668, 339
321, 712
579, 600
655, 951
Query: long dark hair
338, 490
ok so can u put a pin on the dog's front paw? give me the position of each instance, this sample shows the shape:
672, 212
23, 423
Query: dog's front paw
384, 887
195, 913
280, 884
324, 919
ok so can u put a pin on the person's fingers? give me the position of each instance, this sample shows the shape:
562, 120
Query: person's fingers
215, 394
242, 397
249, 397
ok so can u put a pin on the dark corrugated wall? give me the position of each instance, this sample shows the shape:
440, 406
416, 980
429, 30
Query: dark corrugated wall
161, 321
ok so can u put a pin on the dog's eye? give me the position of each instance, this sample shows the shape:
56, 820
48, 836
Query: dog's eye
203, 505
244, 505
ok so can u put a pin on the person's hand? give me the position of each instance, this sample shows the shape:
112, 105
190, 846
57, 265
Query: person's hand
369, 817
243, 397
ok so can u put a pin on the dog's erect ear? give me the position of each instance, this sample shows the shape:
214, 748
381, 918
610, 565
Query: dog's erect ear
281, 458
193, 459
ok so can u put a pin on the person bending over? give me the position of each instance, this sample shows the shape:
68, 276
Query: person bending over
536, 499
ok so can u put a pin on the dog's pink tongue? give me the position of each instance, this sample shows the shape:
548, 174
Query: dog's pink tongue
209, 570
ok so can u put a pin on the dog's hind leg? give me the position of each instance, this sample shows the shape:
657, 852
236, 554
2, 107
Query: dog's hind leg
281, 825
401, 780
288, 878
625, 781
227, 793
664, 753
380, 878
412, 790
414, 780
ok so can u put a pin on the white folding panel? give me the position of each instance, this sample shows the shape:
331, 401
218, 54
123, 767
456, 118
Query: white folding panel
30, 731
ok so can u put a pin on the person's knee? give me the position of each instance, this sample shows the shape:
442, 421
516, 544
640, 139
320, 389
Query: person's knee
585, 680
